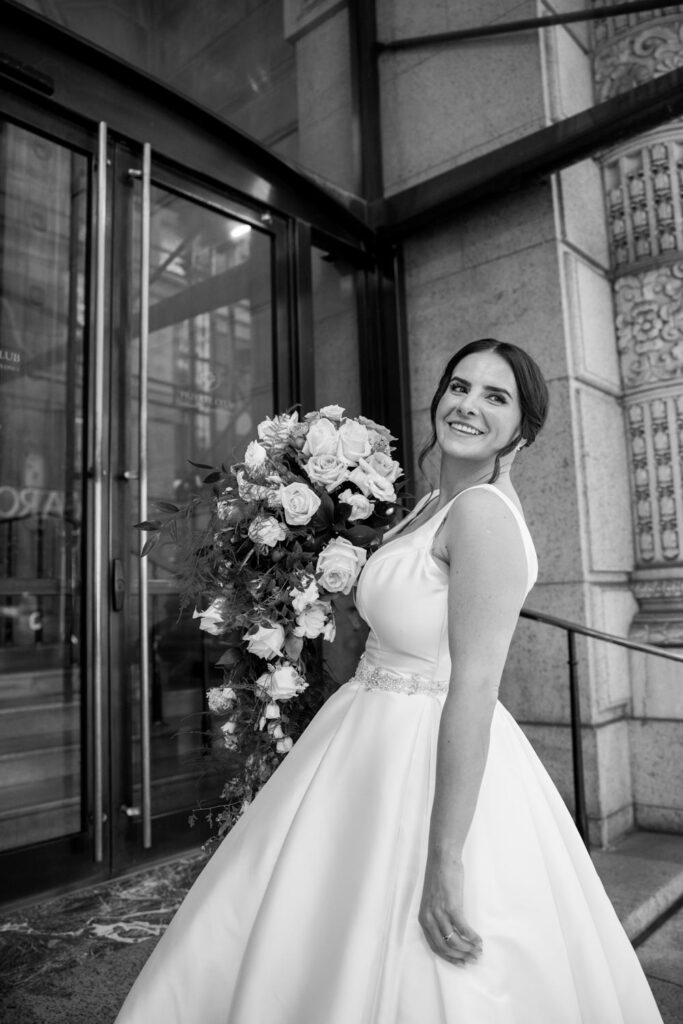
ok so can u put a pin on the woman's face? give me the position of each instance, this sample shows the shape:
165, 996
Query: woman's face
479, 413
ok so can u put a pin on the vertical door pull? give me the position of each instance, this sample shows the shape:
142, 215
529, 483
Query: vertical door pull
98, 483
118, 585
145, 725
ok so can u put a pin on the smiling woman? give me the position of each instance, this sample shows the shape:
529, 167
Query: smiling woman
497, 394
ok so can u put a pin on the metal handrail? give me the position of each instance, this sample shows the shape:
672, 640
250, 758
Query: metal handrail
573, 629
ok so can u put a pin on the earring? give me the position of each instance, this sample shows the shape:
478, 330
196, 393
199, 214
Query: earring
519, 447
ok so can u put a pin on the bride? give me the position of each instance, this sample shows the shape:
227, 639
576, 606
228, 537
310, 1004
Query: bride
410, 862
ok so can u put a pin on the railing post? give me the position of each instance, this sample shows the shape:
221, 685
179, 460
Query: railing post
580, 815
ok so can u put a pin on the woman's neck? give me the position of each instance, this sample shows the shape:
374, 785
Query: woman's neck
455, 477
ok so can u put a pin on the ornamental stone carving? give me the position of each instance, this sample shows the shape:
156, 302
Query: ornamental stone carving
649, 322
638, 56
656, 438
606, 30
644, 199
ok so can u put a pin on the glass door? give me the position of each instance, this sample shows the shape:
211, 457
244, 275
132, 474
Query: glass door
195, 369
45, 191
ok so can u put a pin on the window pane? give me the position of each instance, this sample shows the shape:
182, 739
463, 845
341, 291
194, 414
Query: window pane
43, 206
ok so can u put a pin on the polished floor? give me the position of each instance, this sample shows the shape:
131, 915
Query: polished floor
43, 943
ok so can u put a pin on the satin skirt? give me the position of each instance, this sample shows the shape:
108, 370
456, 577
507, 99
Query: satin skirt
307, 912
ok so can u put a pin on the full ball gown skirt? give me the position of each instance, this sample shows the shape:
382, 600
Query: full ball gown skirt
307, 912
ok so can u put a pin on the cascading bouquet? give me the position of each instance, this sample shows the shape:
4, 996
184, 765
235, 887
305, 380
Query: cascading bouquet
289, 530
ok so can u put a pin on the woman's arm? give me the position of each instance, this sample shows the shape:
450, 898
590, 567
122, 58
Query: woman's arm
487, 585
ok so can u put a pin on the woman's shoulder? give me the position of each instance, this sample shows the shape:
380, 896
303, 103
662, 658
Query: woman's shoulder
482, 513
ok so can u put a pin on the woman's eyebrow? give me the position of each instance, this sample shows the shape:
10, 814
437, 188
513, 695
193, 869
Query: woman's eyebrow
487, 387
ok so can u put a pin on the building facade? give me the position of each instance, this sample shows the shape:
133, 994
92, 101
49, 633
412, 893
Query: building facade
197, 229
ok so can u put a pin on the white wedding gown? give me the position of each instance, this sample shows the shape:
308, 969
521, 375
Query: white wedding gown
307, 912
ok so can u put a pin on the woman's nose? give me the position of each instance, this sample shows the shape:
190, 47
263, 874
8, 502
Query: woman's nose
468, 404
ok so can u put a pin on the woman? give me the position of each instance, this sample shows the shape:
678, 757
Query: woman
410, 862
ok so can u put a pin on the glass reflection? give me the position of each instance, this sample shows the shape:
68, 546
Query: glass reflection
210, 380
43, 198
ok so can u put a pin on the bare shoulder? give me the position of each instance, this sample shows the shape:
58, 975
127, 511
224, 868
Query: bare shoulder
481, 530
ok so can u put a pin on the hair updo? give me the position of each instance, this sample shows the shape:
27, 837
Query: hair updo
531, 387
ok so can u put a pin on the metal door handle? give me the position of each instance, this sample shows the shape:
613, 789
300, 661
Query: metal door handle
145, 725
98, 482
118, 585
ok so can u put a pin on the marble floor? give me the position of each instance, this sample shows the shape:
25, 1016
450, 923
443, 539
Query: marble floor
42, 941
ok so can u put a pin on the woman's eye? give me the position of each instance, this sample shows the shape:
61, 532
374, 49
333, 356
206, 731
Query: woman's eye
498, 399
456, 386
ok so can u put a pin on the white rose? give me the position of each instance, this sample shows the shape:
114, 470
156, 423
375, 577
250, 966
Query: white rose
220, 699
311, 621
321, 438
333, 412
339, 564
266, 642
328, 470
212, 620
384, 465
281, 683
361, 507
255, 456
267, 530
272, 711
229, 727
372, 483
354, 442
279, 429
277, 732
283, 746
304, 598
299, 503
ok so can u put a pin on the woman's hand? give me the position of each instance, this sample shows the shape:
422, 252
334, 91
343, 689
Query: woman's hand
441, 915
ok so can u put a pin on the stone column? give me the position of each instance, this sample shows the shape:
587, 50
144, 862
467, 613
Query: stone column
644, 194
643, 183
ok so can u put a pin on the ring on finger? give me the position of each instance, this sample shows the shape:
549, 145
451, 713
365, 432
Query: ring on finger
447, 938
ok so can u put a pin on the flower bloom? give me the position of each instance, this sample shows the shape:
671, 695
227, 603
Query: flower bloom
371, 483
267, 530
255, 456
353, 442
339, 564
328, 470
321, 439
212, 620
384, 465
283, 746
220, 699
266, 642
333, 412
282, 682
361, 506
278, 430
299, 503
311, 621
304, 598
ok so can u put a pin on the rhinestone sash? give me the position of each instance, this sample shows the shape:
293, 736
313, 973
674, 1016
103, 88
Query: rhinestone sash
394, 682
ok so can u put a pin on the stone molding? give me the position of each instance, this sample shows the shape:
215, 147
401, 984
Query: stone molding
604, 32
662, 590
638, 56
644, 199
656, 441
649, 323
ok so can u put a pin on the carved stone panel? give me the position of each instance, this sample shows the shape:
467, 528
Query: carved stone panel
644, 199
649, 322
656, 438
638, 56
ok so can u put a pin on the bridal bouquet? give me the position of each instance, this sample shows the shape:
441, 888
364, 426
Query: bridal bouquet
289, 530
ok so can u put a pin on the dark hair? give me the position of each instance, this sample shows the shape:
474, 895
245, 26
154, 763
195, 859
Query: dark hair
532, 388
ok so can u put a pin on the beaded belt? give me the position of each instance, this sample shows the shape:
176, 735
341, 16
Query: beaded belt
394, 682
